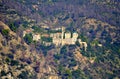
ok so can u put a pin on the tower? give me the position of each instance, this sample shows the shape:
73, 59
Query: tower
63, 30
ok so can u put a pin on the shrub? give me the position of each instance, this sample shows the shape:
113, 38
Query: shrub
14, 62
47, 39
11, 56
13, 27
3, 73
63, 50
76, 74
57, 56
28, 38
7, 60
23, 75
73, 62
5, 32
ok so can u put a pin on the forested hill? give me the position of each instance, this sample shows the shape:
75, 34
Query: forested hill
104, 10
95, 22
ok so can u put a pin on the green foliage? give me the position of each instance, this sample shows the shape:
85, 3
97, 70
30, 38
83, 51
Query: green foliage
7, 60
38, 29
77, 43
73, 63
83, 38
11, 62
107, 56
28, 38
44, 48
61, 69
5, 32
57, 56
12, 27
3, 73
25, 24
63, 50
46, 39
78, 74
14, 63
23, 75
94, 43
68, 74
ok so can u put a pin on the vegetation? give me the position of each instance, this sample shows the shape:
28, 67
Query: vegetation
5, 32
14, 62
98, 23
77, 43
94, 42
25, 24
13, 26
54, 31
57, 56
3, 73
63, 50
23, 75
28, 38
83, 38
38, 29
46, 39
78, 74
43, 48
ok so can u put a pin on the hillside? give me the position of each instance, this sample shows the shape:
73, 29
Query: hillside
18, 60
34, 46
107, 10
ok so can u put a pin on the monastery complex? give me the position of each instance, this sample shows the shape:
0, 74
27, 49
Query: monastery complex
59, 38
64, 38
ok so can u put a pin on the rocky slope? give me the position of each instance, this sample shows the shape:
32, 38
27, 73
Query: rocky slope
18, 60
96, 21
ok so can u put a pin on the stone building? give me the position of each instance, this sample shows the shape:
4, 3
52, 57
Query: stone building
75, 35
56, 35
83, 44
64, 38
57, 41
59, 38
67, 35
36, 37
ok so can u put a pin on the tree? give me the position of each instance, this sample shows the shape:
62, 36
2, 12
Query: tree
77, 43
28, 38
13, 27
3, 73
14, 62
68, 74
63, 50
76, 74
57, 56
23, 75
79, 74
83, 38
46, 39
73, 62
5, 32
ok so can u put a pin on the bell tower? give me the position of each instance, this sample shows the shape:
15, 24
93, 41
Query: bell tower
63, 31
